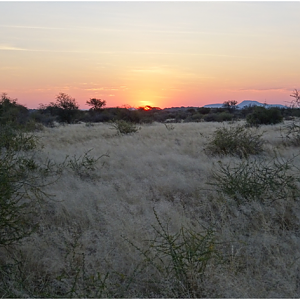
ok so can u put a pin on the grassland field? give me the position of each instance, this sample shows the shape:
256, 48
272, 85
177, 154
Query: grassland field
97, 227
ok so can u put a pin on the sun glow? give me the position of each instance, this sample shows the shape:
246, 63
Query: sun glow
145, 97
126, 53
147, 107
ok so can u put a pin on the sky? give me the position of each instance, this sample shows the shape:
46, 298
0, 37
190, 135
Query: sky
163, 54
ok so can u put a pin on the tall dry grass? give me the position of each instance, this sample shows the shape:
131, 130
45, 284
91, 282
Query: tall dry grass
96, 227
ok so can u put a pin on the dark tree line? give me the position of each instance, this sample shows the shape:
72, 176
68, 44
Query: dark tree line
65, 109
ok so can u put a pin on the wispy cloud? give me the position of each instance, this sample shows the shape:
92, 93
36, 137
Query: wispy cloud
35, 27
153, 70
264, 89
14, 48
11, 48
92, 86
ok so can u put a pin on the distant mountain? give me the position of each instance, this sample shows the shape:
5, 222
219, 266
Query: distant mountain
217, 105
250, 103
246, 103
256, 103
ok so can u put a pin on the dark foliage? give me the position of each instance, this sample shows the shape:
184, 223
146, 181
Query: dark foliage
96, 104
262, 115
11, 112
65, 109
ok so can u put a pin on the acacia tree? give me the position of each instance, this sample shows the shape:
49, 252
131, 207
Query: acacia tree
96, 104
230, 105
65, 107
65, 101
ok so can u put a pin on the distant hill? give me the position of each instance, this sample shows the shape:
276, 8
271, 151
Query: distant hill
246, 103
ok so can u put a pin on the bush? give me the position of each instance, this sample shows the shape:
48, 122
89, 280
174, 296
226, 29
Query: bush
235, 140
11, 112
197, 117
266, 116
211, 117
179, 259
124, 127
83, 165
15, 140
257, 180
42, 117
224, 116
65, 108
292, 136
203, 110
20, 185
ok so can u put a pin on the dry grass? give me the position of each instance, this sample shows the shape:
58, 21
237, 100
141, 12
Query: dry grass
86, 227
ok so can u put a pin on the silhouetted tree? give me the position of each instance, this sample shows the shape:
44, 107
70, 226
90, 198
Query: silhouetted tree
65, 108
230, 105
96, 104
66, 102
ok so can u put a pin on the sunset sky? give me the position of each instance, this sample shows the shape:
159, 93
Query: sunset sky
150, 53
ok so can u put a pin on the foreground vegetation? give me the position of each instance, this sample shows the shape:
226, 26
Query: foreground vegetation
195, 209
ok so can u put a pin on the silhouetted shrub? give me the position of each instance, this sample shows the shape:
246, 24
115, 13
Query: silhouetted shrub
43, 118
204, 110
65, 109
224, 116
262, 115
197, 117
218, 117
211, 117
296, 112
11, 112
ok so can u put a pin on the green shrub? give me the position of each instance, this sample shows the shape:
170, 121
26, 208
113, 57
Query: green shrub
179, 259
224, 116
262, 115
11, 112
124, 127
169, 126
211, 117
292, 134
197, 117
84, 164
16, 140
42, 117
20, 185
235, 140
257, 180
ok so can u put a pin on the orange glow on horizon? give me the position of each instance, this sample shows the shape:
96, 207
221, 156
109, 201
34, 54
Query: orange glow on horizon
124, 53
